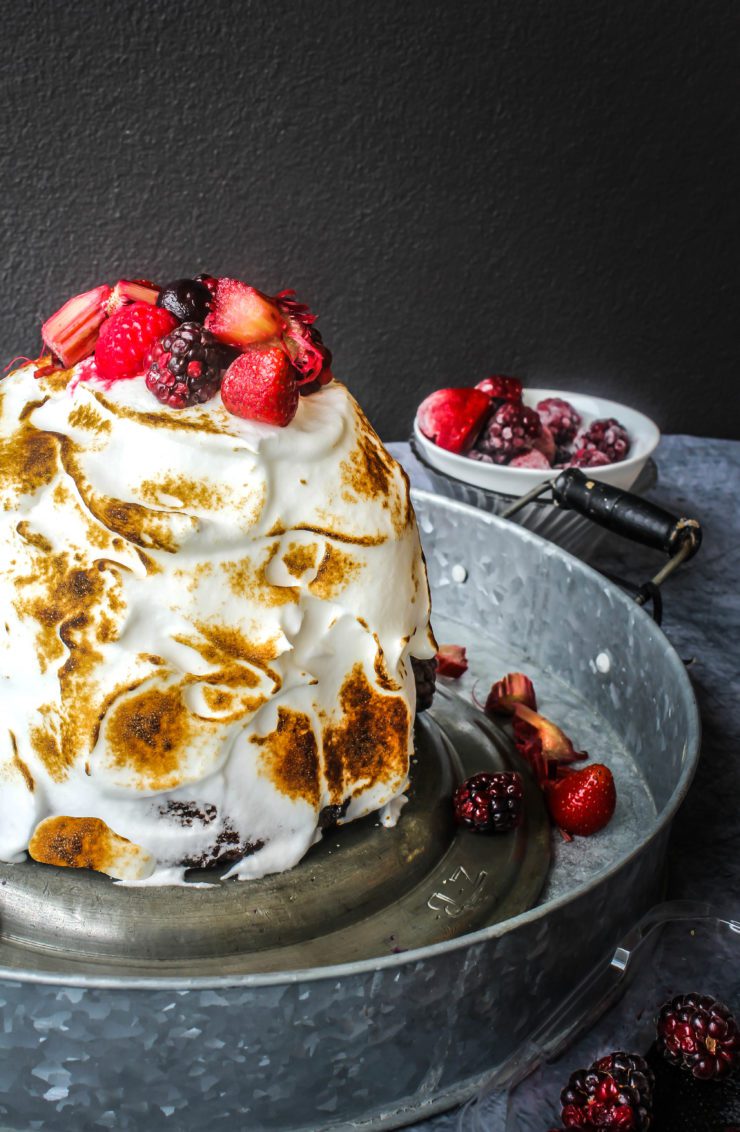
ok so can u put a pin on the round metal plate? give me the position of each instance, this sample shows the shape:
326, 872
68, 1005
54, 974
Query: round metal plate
363, 892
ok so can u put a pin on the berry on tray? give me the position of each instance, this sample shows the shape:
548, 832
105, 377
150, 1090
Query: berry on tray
514, 688
490, 803
606, 435
452, 418
581, 802
185, 366
260, 385
512, 430
241, 315
699, 1034
425, 675
451, 661
72, 331
122, 349
189, 300
501, 388
560, 417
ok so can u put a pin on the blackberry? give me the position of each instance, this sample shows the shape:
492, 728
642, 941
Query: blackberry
618, 1099
560, 417
682, 1103
699, 1034
189, 300
185, 366
490, 803
425, 674
588, 458
606, 435
511, 430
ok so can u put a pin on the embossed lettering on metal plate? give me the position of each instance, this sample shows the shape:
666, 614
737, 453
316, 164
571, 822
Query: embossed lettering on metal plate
441, 902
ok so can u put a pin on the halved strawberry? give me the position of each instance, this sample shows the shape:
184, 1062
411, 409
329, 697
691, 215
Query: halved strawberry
542, 743
514, 688
260, 385
582, 801
72, 331
452, 418
451, 661
241, 315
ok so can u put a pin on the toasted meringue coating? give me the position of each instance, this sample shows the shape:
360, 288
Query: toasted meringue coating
206, 627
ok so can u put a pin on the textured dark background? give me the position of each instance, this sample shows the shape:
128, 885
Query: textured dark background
543, 188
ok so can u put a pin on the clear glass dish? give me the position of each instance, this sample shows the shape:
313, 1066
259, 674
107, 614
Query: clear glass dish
676, 948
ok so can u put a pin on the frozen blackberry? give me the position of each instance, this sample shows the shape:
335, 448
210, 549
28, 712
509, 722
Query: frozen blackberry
189, 300
512, 429
560, 417
606, 435
699, 1034
185, 366
490, 803
425, 674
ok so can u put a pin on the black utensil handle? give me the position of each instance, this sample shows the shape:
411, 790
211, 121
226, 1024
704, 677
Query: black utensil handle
625, 514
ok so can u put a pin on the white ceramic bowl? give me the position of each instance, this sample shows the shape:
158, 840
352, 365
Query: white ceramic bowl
643, 433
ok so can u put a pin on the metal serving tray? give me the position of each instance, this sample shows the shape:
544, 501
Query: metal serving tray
191, 1038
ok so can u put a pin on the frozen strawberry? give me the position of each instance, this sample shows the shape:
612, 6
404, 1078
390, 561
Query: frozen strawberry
531, 459
514, 688
122, 350
452, 418
501, 388
260, 385
542, 743
545, 443
72, 331
451, 661
582, 801
242, 316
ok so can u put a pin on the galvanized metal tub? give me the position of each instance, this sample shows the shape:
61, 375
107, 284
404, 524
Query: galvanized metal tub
383, 1042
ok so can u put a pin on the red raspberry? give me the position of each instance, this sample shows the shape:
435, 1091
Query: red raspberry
606, 435
560, 417
512, 429
260, 385
122, 350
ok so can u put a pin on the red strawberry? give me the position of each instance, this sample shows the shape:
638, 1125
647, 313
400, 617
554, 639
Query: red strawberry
583, 801
241, 316
501, 388
72, 331
452, 418
451, 661
260, 385
125, 340
514, 688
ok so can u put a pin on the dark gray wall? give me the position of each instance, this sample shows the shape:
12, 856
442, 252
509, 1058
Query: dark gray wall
457, 188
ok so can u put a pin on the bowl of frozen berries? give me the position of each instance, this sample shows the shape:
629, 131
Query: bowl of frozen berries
506, 438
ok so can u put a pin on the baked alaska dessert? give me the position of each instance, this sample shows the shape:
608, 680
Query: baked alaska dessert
212, 589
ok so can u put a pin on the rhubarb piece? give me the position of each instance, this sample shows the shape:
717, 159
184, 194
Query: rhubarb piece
452, 418
542, 743
72, 331
260, 385
131, 291
514, 688
451, 661
309, 355
242, 316
582, 802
